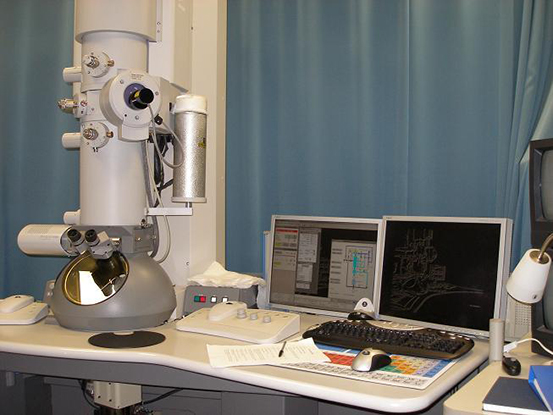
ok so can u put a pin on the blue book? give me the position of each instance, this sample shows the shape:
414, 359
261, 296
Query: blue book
541, 380
513, 396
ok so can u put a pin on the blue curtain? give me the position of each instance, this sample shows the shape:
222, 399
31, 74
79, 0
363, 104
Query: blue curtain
374, 107
532, 110
335, 107
39, 178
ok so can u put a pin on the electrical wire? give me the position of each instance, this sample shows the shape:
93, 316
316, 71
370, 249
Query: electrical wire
86, 395
158, 150
512, 345
158, 196
160, 397
150, 198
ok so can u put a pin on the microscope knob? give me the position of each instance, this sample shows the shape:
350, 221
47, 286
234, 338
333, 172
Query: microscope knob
74, 235
91, 236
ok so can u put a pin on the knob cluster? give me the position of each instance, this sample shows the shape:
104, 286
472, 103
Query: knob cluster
242, 314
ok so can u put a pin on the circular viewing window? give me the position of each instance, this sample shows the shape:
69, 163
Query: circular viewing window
87, 280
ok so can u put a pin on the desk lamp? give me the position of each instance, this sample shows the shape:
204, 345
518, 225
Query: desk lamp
527, 282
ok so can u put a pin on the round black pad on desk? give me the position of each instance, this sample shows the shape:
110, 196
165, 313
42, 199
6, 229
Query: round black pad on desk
130, 340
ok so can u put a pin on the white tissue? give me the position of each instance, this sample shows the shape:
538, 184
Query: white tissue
217, 276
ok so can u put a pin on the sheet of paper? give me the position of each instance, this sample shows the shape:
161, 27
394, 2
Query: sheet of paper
303, 351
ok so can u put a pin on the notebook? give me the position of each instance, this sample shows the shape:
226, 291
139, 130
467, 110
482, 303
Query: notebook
513, 396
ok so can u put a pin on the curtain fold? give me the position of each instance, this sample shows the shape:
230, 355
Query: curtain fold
532, 113
39, 178
371, 108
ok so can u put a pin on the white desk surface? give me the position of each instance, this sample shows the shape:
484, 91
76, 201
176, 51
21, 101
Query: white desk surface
187, 351
468, 400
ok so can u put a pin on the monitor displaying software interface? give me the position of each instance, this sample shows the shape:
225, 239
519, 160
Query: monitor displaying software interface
445, 273
322, 265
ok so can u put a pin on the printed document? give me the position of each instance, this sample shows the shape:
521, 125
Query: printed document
303, 351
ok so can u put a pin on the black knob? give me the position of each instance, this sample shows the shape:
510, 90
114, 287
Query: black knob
141, 98
74, 235
90, 236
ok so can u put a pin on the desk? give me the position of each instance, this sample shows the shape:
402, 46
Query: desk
468, 400
182, 361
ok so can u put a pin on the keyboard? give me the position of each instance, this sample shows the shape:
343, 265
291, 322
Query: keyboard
411, 341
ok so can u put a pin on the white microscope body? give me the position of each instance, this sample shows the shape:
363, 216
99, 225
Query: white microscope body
113, 283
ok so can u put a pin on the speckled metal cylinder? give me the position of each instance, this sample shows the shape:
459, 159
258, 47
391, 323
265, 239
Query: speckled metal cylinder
189, 178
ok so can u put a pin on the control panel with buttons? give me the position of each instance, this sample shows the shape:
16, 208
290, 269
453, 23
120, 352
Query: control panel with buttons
234, 320
197, 296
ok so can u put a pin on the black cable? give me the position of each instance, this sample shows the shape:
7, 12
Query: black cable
160, 397
165, 185
86, 396
159, 172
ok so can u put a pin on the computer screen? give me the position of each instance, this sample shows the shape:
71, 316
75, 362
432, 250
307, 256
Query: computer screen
322, 265
444, 273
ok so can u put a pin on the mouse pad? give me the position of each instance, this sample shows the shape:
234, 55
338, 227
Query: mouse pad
404, 371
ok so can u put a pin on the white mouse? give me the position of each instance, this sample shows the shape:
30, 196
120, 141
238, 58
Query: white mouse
224, 310
369, 359
14, 303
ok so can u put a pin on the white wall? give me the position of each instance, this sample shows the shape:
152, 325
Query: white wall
197, 61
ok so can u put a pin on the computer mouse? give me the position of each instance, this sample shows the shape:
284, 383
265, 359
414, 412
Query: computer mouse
359, 315
369, 359
511, 366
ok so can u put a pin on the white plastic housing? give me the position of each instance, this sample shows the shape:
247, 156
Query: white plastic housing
42, 239
128, 51
71, 141
72, 217
72, 74
190, 103
112, 191
130, 16
133, 124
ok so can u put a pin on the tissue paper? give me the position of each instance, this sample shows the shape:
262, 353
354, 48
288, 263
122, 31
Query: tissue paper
217, 276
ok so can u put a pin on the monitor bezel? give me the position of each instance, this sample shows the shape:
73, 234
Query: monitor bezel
318, 311
500, 303
541, 227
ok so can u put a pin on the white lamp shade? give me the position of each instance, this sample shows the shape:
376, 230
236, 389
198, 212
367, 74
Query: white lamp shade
527, 281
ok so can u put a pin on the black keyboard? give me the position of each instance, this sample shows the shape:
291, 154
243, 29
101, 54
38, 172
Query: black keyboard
422, 342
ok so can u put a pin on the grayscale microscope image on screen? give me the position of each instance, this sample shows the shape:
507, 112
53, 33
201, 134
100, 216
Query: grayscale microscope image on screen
441, 272
325, 265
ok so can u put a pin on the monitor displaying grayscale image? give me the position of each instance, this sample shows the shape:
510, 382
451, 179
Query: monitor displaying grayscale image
322, 265
444, 273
